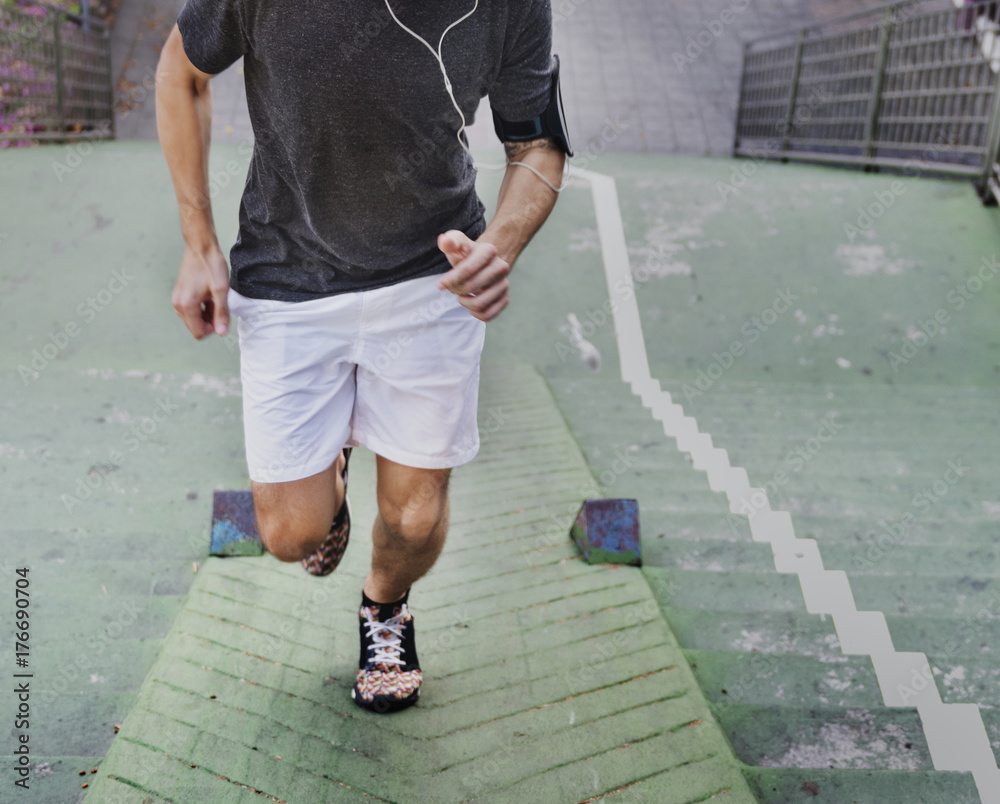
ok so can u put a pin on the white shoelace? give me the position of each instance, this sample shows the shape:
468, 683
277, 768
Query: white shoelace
387, 637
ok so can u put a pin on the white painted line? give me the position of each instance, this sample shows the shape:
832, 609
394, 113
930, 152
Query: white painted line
956, 735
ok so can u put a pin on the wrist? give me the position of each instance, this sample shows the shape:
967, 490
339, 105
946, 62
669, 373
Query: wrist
507, 244
202, 245
198, 229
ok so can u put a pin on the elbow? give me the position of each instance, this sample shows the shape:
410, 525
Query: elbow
175, 71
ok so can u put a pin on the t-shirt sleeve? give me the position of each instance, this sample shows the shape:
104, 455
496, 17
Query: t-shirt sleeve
521, 89
214, 33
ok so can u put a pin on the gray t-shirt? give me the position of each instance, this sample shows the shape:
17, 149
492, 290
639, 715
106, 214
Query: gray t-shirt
356, 168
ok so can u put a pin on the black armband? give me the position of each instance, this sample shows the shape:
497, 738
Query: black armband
550, 124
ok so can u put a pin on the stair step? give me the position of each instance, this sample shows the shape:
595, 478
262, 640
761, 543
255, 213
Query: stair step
847, 397
660, 510
966, 679
856, 393
949, 639
773, 450
847, 529
766, 632
714, 555
917, 596
962, 649
881, 468
729, 591
905, 595
810, 405
956, 513
573, 379
767, 679
857, 559
827, 737
799, 422
807, 412
829, 786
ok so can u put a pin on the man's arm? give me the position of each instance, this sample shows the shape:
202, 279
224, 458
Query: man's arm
479, 268
184, 122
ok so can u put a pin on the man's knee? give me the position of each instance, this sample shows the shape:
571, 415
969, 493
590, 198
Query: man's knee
285, 536
416, 512
412, 523
295, 517
281, 539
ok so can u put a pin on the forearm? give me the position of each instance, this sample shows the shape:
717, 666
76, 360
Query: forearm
184, 122
525, 201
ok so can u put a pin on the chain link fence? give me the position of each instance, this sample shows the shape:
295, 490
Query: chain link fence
55, 74
912, 86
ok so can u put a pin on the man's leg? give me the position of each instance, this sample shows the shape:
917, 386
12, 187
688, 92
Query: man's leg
294, 517
409, 530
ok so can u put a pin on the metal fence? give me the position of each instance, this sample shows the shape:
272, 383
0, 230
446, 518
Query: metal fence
55, 74
912, 86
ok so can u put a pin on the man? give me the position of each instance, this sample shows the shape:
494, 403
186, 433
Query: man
364, 271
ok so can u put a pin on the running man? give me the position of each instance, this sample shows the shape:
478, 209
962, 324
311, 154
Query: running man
364, 272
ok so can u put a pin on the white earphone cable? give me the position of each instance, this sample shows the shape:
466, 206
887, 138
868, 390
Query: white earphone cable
439, 57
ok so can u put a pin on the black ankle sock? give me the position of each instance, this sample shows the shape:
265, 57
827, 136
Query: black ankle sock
383, 607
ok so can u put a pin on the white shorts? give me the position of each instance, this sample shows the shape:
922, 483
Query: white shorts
395, 369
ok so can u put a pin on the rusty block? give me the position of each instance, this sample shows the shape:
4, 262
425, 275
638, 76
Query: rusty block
234, 525
607, 531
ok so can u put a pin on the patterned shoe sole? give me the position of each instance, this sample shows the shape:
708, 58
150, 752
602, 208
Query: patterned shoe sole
327, 556
384, 704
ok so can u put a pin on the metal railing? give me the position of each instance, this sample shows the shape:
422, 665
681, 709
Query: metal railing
55, 74
912, 86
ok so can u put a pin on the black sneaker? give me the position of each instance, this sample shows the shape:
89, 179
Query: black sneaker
326, 557
388, 670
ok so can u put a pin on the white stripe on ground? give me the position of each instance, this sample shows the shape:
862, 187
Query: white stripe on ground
956, 734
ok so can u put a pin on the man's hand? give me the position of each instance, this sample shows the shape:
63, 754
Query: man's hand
199, 296
477, 276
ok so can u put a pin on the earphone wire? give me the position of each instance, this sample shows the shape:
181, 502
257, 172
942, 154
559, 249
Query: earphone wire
439, 57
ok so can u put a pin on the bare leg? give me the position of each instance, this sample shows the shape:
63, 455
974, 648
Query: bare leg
409, 530
295, 517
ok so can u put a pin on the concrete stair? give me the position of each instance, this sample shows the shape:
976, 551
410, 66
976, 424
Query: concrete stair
809, 722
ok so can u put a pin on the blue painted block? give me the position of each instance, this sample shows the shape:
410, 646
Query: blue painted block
234, 525
607, 531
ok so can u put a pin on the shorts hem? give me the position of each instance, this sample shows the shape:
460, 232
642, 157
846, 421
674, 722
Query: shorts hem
310, 469
412, 459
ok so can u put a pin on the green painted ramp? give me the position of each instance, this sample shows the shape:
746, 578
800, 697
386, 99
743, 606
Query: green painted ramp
546, 679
